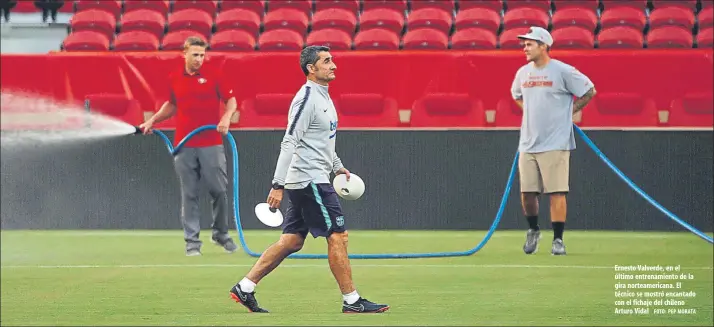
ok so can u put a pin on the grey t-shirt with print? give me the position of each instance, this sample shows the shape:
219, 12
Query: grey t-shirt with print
547, 95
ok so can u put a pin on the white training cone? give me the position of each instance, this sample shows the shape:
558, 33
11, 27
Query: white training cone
267, 216
348, 190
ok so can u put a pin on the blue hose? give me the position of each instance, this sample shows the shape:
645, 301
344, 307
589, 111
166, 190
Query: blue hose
638, 190
492, 229
239, 227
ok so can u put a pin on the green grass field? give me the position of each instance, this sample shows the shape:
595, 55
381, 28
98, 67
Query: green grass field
143, 278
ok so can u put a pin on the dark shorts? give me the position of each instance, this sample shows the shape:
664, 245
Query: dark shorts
314, 208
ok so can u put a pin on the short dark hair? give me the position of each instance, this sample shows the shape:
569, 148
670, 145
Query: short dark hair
309, 55
547, 47
194, 40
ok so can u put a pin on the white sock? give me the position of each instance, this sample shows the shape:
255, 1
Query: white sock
247, 285
350, 298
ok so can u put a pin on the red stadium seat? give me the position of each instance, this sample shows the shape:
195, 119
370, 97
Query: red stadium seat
620, 110
575, 17
173, 41
670, 37
474, 38
349, 5
367, 110
207, 6
434, 18
160, 6
304, 6
335, 18
426, 38
191, 20
508, 114
525, 17
620, 37
377, 39
94, 20
111, 6
590, 5
256, 6
286, 18
574, 37
86, 41
623, 16
447, 110
672, 16
281, 40
496, 5
478, 17
333, 38
265, 111
136, 41
541, 5
705, 18
636, 4
119, 106
447, 5
382, 18
238, 19
233, 40
690, 5
705, 38
693, 110
25, 7
509, 38
399, 5
147, 20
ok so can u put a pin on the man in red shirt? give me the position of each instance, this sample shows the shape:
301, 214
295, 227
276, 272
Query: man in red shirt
194, 97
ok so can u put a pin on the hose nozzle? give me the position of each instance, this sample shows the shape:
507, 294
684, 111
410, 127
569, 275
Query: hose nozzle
138, 130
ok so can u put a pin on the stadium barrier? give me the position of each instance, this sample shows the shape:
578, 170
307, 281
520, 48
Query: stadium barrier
416, 180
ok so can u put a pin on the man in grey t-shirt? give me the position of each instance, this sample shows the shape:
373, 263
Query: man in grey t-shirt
307, 158
545, 88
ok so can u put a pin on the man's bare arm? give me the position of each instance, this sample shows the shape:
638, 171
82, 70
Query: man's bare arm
581, 102
166, 111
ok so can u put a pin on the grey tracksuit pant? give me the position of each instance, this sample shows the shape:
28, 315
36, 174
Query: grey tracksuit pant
207, 164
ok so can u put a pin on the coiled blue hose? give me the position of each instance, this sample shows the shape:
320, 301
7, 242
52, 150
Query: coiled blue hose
492, 229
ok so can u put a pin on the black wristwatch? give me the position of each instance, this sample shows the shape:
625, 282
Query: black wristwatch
277, 186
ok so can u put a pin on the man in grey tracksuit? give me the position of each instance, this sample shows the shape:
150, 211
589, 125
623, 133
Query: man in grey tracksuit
307, 157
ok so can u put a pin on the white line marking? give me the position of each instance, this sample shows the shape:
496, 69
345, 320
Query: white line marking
325, 266
476, 235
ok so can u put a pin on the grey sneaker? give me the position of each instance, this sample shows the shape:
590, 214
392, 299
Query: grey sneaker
227, 244
558, 247
532, 239
193, 252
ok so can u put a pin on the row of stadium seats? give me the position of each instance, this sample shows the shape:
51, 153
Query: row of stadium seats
380, 39
289, 25
117, 7
443, 110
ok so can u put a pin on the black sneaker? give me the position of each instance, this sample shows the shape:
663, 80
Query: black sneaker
364, 306
246, 299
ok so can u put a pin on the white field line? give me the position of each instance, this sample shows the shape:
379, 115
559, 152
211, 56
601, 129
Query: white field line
325, 266
365, 234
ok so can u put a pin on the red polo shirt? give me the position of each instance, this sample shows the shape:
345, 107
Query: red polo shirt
198, 102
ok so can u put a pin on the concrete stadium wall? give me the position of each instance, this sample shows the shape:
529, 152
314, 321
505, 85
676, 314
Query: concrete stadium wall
415, 180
